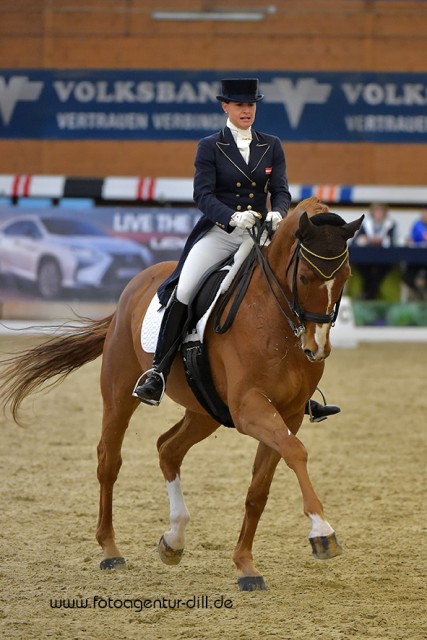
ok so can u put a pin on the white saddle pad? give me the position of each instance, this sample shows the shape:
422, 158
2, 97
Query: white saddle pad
151, 324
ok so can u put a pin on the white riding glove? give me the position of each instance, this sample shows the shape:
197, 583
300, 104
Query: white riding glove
275, 218
243, 219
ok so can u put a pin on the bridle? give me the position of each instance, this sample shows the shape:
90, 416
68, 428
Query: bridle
300, 252
294, 311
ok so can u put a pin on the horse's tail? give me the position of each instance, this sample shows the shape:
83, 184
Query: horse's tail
27, 371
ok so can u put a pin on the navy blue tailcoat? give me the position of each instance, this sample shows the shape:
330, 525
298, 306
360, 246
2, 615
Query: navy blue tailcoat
224, 184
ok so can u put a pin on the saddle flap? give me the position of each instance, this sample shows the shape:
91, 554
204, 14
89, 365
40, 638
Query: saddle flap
199, 377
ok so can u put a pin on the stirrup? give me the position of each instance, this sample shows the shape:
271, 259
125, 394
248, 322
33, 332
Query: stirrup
310, 413
147, 374
312, 418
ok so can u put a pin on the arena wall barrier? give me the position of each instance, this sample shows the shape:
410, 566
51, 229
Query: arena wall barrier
179, 190
158, 214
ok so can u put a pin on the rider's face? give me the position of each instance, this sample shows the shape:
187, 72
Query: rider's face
241, 114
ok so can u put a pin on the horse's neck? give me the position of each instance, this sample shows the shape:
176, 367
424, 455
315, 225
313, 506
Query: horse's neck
278, 255
279, 250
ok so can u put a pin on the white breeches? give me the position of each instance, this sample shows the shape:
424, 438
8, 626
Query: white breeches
215, 246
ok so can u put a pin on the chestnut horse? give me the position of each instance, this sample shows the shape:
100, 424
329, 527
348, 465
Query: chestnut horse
265, 367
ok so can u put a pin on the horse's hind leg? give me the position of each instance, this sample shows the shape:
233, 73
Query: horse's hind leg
109, 463
266, 460
172, 447
116, 384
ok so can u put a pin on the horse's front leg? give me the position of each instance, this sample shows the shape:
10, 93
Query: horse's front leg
257, 417
172, 447
266, 460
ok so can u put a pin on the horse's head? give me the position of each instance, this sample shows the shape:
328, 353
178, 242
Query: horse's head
316, 275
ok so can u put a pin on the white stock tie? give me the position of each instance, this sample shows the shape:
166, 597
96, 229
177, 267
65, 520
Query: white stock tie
243, 138
243, 142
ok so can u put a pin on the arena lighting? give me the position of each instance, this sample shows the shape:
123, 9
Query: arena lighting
223, 15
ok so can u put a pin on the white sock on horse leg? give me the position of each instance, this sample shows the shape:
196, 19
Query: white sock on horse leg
179, 515
319, 527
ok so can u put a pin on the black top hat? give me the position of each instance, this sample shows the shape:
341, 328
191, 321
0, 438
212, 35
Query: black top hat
240, 90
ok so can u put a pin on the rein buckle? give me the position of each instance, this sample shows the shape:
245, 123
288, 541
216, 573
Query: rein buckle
298, 331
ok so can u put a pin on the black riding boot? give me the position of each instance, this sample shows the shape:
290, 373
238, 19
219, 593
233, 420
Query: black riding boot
151, 391
319, 412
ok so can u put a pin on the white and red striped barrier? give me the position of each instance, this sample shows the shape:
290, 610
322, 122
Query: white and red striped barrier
149, 189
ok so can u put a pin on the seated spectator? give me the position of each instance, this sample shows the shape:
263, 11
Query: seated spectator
377, 230
415, 275
418, 236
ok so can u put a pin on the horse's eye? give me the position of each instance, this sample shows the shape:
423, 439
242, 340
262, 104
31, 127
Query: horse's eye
303, 279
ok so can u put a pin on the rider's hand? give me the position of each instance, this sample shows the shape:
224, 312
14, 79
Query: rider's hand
243, 219
275, 218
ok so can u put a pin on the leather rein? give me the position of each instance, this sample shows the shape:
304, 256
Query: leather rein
293, 306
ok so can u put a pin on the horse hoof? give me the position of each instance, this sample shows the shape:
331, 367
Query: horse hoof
326, 547
167, 554
251, 583
113, 564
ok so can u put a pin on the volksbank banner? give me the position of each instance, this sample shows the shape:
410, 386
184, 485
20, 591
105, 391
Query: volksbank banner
181, 105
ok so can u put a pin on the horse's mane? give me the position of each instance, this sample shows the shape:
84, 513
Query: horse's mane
318, 212
311, 205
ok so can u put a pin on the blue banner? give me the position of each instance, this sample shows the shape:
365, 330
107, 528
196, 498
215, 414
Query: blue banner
93, 104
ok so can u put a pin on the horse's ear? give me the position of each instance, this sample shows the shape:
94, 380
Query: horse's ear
350, 228
305, 226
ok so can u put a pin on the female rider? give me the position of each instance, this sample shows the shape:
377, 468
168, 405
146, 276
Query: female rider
236, 170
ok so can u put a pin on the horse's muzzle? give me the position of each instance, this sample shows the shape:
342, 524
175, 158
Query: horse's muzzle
310, 355
316, 356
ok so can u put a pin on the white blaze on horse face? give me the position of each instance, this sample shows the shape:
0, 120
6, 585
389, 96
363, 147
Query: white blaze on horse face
329, 284
178, 514
322, 330
321, 336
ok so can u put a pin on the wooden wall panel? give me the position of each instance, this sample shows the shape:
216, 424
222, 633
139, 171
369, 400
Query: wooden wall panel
317, 35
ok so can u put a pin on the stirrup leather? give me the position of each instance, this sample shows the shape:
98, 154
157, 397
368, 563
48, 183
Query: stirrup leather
142, 379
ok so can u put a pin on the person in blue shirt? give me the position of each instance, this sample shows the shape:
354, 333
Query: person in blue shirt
415, 275
419, 230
